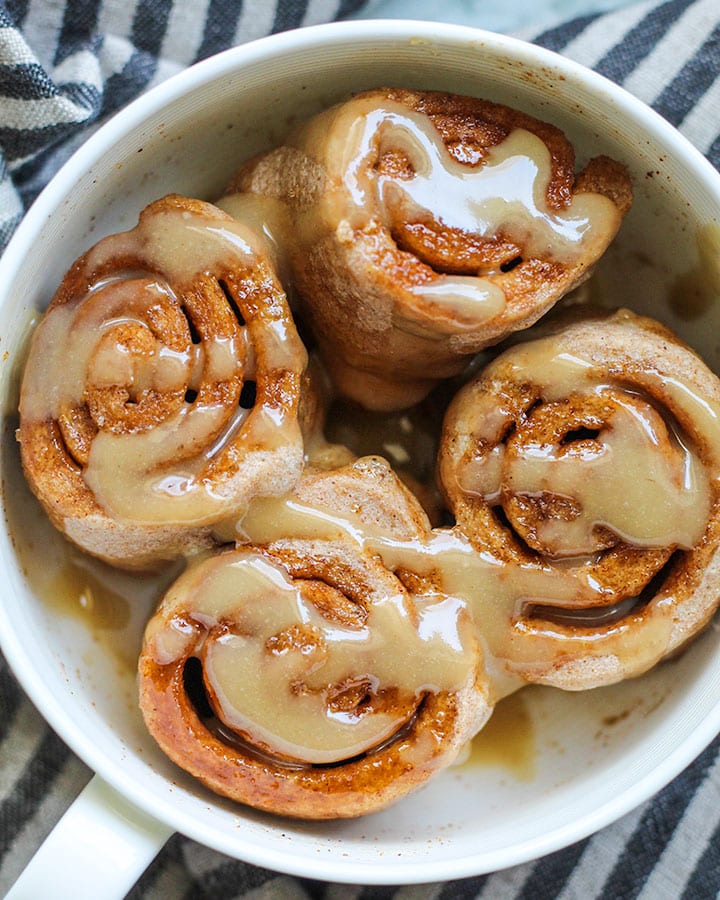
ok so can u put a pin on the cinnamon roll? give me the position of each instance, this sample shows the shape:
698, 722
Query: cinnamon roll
162, 386
585, 465
302, 676
427, 226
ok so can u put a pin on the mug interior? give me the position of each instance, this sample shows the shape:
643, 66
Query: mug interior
553, 766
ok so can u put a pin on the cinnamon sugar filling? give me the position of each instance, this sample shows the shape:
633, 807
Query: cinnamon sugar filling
169, 361
313, 671
198, 695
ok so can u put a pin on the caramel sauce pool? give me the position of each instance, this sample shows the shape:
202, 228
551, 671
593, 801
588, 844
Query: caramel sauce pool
112, 604
508, 740
694, 291
77, 590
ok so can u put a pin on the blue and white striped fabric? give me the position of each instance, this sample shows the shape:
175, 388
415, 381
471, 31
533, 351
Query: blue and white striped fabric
67, 64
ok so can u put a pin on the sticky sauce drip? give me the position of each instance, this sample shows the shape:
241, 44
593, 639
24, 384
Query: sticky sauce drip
272, 660
638, 476
497, 593
621, 481
271, 223
161, 381
503, 198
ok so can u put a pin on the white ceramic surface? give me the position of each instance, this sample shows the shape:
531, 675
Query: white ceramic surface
585, 759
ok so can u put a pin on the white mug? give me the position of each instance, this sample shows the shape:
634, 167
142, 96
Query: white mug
594, 756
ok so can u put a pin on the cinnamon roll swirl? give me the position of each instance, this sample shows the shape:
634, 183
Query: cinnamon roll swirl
587, 464
162, 386
305, 678
428, 226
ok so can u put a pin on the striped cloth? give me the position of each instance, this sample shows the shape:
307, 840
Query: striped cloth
67, 64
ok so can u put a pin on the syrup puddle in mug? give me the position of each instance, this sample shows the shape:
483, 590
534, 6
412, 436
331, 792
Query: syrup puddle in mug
112, 604
507, 741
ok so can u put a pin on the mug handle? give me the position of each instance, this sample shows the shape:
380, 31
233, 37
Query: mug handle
97, 850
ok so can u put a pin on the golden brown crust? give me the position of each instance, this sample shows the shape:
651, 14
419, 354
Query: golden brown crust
160, 308
635, 594
385, 345
343, 791
343, 584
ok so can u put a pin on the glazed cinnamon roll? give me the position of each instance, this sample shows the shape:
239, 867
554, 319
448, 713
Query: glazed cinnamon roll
305, 678
162, 386
427, 226
585, 465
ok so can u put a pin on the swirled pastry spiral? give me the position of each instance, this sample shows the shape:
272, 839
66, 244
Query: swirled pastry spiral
427, 226
587, 462
303, 677
162, 386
